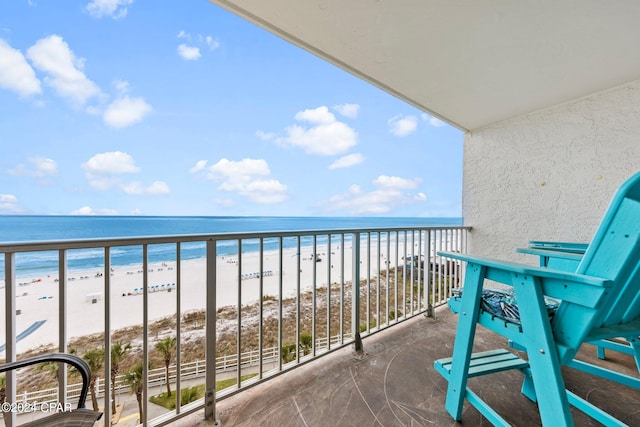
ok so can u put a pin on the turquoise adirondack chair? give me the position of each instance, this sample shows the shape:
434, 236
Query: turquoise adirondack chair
600, 300
567, 256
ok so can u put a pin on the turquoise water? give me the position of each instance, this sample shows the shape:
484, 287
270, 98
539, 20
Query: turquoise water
47, 228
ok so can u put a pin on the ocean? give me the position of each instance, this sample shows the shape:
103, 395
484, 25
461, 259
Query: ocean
49, 228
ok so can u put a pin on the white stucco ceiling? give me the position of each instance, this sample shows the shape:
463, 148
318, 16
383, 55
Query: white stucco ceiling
470, 63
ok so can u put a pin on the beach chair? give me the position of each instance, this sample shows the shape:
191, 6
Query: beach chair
567, 256
78, 417
600, 300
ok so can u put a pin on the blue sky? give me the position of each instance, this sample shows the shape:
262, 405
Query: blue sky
134, 107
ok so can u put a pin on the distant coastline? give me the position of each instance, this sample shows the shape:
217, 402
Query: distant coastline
50, 228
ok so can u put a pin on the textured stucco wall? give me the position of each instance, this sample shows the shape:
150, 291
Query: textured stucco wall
549, 174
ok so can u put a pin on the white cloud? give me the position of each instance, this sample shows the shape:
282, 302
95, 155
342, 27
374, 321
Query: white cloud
435, 122
250, 178
40, 167
191, 50
326, 137
114, 162
403, 125
190, 53
122, 86
87, 210
265, 136
126, 111
15, 73
101, 169
347, 161
267, 191
137, 188
212, 43
114, 8
389, 193
200, 165
44, 166
103, 172
348, 110
53, 56
9, 204
395, 183
243, 168
320, 116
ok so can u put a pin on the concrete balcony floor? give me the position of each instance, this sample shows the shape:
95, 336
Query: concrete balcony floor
394, 384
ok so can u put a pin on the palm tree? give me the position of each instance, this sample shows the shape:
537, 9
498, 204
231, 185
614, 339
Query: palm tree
95, 360
118, 351
167, 347
134, 379
306, 342
6, 415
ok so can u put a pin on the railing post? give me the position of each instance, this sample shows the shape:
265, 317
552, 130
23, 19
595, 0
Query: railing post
355, 294
145, 335
210, 381
62, 324
107, 334
178, 327
260, 308
10, 332
428, 279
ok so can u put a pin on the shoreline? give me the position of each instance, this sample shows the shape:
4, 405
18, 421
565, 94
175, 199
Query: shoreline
25, 270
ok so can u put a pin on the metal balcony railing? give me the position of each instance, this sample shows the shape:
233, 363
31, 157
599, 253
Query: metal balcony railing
268, 301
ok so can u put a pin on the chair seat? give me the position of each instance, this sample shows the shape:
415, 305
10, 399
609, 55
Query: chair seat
502, 304
75, 418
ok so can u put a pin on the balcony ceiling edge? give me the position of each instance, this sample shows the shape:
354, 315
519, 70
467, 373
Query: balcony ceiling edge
470, 64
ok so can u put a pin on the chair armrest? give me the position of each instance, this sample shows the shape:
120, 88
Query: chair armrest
572, 247
70, 359
551, 253
584, 290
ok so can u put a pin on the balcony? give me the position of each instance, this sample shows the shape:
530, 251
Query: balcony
352, 367
243, 307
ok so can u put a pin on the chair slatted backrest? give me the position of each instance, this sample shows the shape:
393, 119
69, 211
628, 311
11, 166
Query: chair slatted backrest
614, 254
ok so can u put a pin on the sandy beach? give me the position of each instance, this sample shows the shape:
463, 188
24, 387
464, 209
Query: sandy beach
38, 298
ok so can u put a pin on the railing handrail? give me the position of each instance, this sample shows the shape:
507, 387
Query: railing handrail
50, 245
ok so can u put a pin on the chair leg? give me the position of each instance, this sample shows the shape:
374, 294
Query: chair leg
600, 352
635, 345
527, 387
544, 362
463, 345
